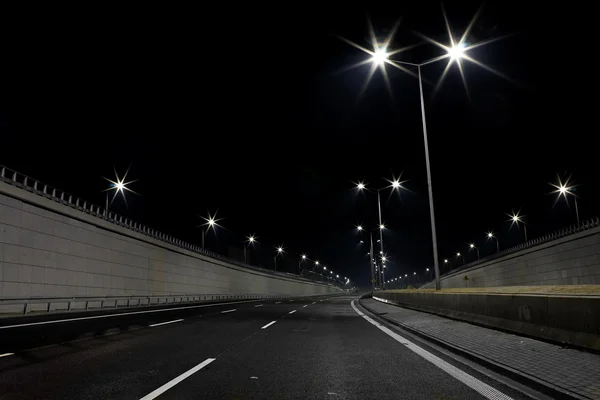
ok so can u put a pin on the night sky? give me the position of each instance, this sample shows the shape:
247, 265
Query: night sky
248, 111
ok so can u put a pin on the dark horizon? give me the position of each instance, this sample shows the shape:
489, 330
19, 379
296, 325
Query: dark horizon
268, 131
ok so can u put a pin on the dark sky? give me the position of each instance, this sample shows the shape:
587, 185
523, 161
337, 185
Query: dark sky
246, 110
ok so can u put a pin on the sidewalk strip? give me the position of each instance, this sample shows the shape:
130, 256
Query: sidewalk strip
223, 312
291, 312
268, 325
165, 323
170, 384
480, 387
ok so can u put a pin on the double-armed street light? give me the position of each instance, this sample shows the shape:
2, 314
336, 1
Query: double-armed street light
456, 52
395, 184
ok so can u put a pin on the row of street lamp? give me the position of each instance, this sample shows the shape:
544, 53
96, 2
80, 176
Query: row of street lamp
456, 53
562, 189
119, 186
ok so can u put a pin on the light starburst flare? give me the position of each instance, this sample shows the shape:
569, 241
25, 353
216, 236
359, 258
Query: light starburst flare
119, 186
455, 51
563, 189
515, 218
211, 221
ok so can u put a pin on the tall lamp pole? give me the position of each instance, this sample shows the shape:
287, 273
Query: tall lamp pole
456, 52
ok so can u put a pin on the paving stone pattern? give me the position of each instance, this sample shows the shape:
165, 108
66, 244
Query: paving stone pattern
568, 369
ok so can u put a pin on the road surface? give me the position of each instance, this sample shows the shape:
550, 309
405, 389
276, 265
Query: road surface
301, 349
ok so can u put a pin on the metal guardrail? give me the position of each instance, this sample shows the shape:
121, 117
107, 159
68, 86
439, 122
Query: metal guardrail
24, 182
559, 234
107, 302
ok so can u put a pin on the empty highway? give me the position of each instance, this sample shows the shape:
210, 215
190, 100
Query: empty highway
318, 348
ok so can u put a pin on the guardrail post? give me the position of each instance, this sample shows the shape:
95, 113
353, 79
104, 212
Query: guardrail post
25, 308
48, 308
102, 304
86, 305
69, 306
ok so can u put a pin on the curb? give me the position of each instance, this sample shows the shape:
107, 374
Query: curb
534, 383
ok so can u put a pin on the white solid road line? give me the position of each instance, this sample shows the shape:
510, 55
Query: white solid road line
258, 305
165, 323
291, 312
277, 302
480, 387
223, 312
170, 384
6, 354
56, 321
268, 325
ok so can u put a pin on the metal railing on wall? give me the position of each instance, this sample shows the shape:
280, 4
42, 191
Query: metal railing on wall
558, 234
29, 184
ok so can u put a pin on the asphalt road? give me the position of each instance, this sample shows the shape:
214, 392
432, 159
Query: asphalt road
302, 349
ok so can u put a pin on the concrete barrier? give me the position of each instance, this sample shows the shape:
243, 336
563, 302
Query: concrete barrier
572, 320
48, 249
573, 259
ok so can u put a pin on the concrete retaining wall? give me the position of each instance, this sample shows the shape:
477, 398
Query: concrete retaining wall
570, 260
48, 249
573, 320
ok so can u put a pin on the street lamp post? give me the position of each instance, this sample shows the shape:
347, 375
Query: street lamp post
249, 241
119, 186
456, 52
300, 261
516, 219
396, 184
278, 250
564, 189
490, 235
211, 223
459, 256
448, 262
472, 246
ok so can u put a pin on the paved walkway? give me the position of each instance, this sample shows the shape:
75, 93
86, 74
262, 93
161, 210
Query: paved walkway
569, 370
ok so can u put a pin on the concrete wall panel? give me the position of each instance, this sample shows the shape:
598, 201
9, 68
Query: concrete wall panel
48, 249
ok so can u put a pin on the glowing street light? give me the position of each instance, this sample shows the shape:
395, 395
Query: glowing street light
211, 223
490, 235
359, 228
472, 246
119, 186
279, 250
300, 261
515, 218
250, 240
455, 52
380, 56
459, 256
564, 189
